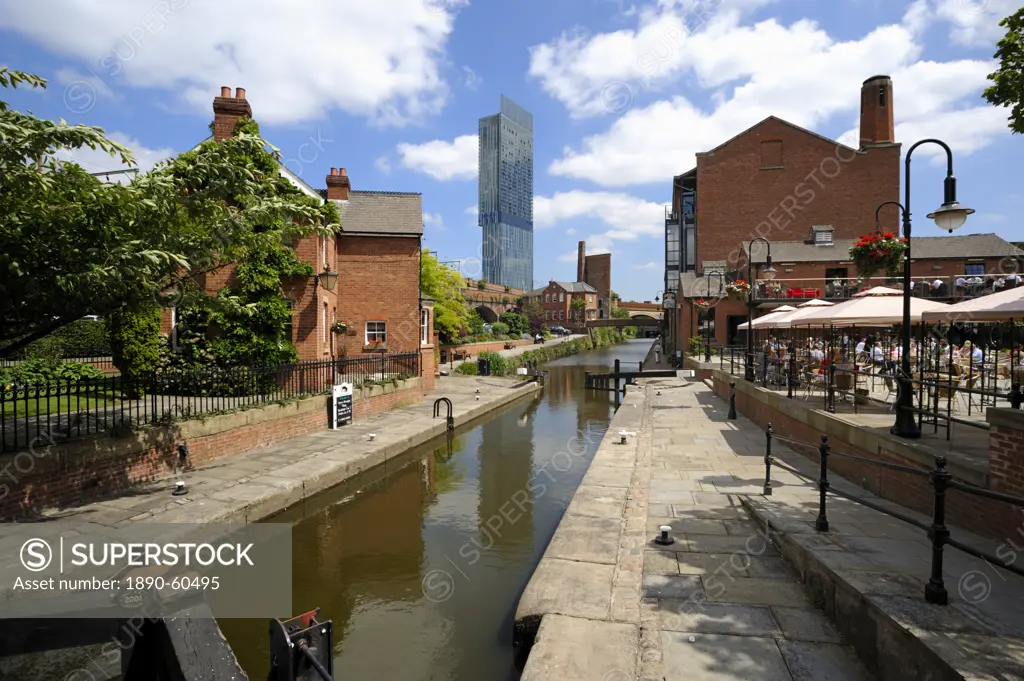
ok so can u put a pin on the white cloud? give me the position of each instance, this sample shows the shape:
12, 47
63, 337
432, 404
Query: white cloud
383, 164
972, 23
434, 220
472, 80
96, 160
796, 72
298, 60
648, 266
627, 216
442, 160
472, 210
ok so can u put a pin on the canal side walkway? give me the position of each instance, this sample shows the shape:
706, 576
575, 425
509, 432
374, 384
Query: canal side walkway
252, 486
514, 352
744, 589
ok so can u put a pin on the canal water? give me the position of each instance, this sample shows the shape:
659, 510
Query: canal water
421, 568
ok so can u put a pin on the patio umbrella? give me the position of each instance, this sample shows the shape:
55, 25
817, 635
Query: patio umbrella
879, 306
1001, 306
796, 317
765, 320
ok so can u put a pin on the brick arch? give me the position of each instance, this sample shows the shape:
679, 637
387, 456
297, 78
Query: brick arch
487, 314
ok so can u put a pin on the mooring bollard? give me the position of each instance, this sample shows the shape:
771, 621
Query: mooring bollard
935, 590
664, 539
821, 522
768, 461
732, 400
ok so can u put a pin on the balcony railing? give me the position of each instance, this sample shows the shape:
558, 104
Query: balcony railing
945, 288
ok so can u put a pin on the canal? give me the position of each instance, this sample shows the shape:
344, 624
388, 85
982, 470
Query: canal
420, 568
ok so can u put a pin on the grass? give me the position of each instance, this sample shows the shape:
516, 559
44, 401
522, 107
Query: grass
20, 408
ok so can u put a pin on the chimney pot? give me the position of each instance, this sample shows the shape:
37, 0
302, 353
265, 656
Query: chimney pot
239, 93
334, 171
342, 172
225, 91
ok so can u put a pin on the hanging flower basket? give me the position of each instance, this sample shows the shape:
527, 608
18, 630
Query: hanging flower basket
738, 290
876, 253
339, 327
701, 304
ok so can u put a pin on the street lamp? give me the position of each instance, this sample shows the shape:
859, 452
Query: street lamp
768, 273
707, 320
327, 279
949, 216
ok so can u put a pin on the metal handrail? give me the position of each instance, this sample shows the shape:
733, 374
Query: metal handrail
941, 481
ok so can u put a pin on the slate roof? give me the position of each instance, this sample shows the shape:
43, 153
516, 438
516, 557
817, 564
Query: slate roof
576, 287
921, 248
391, 213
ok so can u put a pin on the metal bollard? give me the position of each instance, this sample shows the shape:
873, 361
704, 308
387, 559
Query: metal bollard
768, 461
821, 522
732, 400
935, 590
791, 377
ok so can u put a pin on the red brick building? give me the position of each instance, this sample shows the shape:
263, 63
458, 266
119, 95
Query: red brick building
557, 298
811, 198
596, 270
376, 256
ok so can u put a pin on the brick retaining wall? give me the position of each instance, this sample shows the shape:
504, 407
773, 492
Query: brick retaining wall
474, 349
84, 470
789, 418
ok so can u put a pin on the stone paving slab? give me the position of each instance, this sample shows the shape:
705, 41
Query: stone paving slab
605, 651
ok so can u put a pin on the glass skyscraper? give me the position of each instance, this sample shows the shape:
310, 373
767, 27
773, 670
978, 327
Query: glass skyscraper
506, 196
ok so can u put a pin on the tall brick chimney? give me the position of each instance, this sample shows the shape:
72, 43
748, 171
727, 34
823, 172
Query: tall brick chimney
227, 110
338, 185
581, 261
876, 119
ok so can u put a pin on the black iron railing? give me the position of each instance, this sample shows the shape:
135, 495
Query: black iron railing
61, 410
938, 532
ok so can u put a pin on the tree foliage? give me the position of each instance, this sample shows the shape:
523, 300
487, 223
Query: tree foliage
71, 245
135, 341
443, 284
1007, 87
533, 309
517, 323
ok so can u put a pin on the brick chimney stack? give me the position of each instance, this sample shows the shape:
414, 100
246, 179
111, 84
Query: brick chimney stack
338, 185
227, 110
876, 118
581, 261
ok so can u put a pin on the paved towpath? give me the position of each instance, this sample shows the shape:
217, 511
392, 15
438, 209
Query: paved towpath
719, 604
516, 351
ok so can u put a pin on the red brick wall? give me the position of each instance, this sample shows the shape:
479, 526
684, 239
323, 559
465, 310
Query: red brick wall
475, 349
90, 476
1006, 453
985, 517
819, 183
599, 275
380, 281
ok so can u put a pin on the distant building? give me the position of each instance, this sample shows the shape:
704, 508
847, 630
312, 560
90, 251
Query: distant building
557, 297
596, 270
506, 196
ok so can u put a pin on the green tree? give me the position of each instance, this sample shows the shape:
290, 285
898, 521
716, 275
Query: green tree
71, 245
1007, 87
578, 305
476, 324
517, 323
135, 341
533, 310
444, 285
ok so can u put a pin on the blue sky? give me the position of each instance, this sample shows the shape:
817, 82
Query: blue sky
622, 95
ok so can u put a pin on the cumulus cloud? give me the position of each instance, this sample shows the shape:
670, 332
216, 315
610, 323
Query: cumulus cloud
442, 160
383, 164
298, 60
797, 72
98, 161
626, 216
434, 221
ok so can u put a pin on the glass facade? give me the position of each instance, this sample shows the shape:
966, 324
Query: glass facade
506, 195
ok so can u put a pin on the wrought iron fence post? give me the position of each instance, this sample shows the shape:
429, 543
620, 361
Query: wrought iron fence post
732, 400
935, 590
791, 377
821, 522
764, 368
768, 461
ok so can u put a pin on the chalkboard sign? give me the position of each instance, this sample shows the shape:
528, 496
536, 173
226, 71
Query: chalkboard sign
341, 405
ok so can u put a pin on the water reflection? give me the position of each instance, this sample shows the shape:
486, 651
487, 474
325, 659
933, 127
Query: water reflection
420, 566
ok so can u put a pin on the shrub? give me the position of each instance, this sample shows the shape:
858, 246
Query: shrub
41, 371
499, 329
500, 366
466, 369
135, 341
517, 323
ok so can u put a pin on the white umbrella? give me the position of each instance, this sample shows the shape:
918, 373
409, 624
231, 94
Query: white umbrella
766, 319
796, 317
994, 307
879, 306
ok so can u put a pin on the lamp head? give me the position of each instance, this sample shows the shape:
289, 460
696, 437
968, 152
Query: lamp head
950, 216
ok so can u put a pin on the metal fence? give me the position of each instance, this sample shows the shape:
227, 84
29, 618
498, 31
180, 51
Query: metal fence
63, 410
104, 362
941, 481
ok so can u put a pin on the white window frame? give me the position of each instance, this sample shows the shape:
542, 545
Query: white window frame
325, 324
382, 332
424, 318
561, 296
174, 329
547, 297
561, 315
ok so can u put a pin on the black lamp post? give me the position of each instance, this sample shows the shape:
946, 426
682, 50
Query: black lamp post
707, 320
949, 216
769, 273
